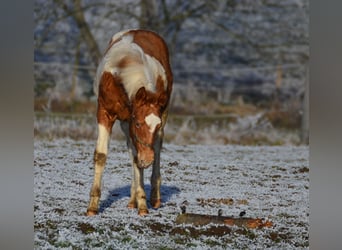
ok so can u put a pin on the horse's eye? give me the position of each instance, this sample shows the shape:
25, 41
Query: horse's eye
137, 124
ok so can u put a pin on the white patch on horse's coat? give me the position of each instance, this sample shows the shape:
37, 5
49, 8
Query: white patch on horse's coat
102, 140
119, 34
142, 73
152, 121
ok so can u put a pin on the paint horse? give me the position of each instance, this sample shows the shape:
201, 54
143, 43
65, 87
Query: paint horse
133, 84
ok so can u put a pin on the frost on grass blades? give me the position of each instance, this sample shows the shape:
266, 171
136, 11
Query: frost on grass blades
265, 182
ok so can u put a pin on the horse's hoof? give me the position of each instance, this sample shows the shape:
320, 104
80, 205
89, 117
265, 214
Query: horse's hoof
156, 203
91, 212
143, 212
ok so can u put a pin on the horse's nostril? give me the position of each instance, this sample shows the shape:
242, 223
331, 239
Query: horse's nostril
144, 164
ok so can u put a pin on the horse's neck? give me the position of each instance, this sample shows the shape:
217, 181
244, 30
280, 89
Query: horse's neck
134, 77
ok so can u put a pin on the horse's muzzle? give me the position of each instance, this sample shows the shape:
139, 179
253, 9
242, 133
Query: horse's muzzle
144, 163
145, 157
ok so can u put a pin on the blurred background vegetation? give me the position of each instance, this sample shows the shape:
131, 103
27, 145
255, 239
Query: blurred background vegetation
240, 66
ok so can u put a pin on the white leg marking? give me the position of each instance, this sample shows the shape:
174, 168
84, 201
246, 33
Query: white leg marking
100, 156
152, 121
102, 140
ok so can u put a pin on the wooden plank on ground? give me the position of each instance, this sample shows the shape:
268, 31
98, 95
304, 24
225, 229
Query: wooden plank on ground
203, 219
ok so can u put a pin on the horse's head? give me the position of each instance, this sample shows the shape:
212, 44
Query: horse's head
146, 120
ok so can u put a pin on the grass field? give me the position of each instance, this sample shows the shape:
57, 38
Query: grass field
270, 182
239, 127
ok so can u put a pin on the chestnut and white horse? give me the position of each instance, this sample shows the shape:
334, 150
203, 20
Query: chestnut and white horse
133, 84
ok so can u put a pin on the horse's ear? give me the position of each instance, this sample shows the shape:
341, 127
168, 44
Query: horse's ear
162, 99
141, 94
160, 85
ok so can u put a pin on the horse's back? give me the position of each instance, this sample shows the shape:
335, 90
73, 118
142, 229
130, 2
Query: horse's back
139, 57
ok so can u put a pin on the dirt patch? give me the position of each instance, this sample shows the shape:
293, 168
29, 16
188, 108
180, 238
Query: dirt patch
86, 228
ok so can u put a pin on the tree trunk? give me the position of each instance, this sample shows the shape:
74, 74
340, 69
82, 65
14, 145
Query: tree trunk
78, 16
149, 15
75, 71
305, 116
86, 33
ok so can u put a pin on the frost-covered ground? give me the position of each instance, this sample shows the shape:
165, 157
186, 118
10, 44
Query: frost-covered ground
267, 182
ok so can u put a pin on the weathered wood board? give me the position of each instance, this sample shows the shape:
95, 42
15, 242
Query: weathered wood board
203, 219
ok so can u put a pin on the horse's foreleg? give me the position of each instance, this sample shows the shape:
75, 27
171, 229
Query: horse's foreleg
139, 192
138, 196
100, 157
155, 197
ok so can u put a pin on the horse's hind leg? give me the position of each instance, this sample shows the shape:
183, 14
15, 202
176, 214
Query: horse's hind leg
100, 157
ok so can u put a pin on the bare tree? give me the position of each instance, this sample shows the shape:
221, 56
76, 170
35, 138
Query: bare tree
149, 15
76, 12
257, 33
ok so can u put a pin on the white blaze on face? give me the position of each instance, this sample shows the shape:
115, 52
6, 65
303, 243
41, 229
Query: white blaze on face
152, 121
